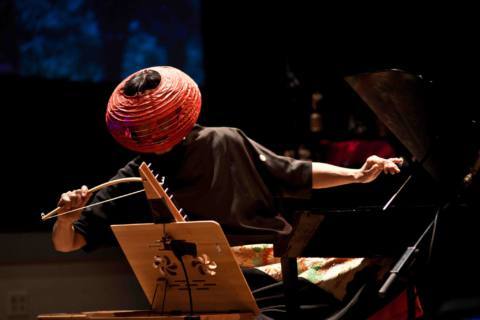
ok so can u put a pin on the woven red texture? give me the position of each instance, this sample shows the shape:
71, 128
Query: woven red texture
157, 119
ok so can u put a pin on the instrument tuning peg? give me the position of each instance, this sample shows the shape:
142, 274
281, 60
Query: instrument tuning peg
42, 214
166, 190
185, 216
156, 176
148, 165
171, 196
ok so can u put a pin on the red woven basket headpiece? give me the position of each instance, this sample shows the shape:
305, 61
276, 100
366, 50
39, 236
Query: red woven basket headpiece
156, 120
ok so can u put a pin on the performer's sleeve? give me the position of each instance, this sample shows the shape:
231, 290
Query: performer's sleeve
293, 177
94, 223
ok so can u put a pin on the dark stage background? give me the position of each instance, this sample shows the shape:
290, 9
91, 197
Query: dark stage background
257, 67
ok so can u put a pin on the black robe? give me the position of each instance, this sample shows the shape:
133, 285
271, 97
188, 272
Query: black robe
214, 174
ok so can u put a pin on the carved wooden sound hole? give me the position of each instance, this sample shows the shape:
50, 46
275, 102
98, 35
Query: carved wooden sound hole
205, 265
165, 265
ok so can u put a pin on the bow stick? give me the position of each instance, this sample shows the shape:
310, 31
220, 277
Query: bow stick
55, 211
152, 188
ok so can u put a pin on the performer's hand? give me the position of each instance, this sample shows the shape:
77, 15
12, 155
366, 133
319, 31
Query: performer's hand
374, 165
70, 201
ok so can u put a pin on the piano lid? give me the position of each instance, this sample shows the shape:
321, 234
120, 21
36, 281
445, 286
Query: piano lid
400, 101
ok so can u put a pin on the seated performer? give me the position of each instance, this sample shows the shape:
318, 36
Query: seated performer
214, 173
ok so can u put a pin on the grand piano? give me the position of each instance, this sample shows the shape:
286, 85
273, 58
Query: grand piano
437, 197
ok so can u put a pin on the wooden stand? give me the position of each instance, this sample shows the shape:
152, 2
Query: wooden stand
214, 279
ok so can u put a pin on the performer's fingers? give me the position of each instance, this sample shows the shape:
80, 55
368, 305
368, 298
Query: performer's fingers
65, 201
392, 168
85, 195
398, 161
77, 198
84, 190
390, 171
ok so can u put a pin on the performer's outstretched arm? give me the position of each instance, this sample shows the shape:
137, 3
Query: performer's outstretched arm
326, 175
